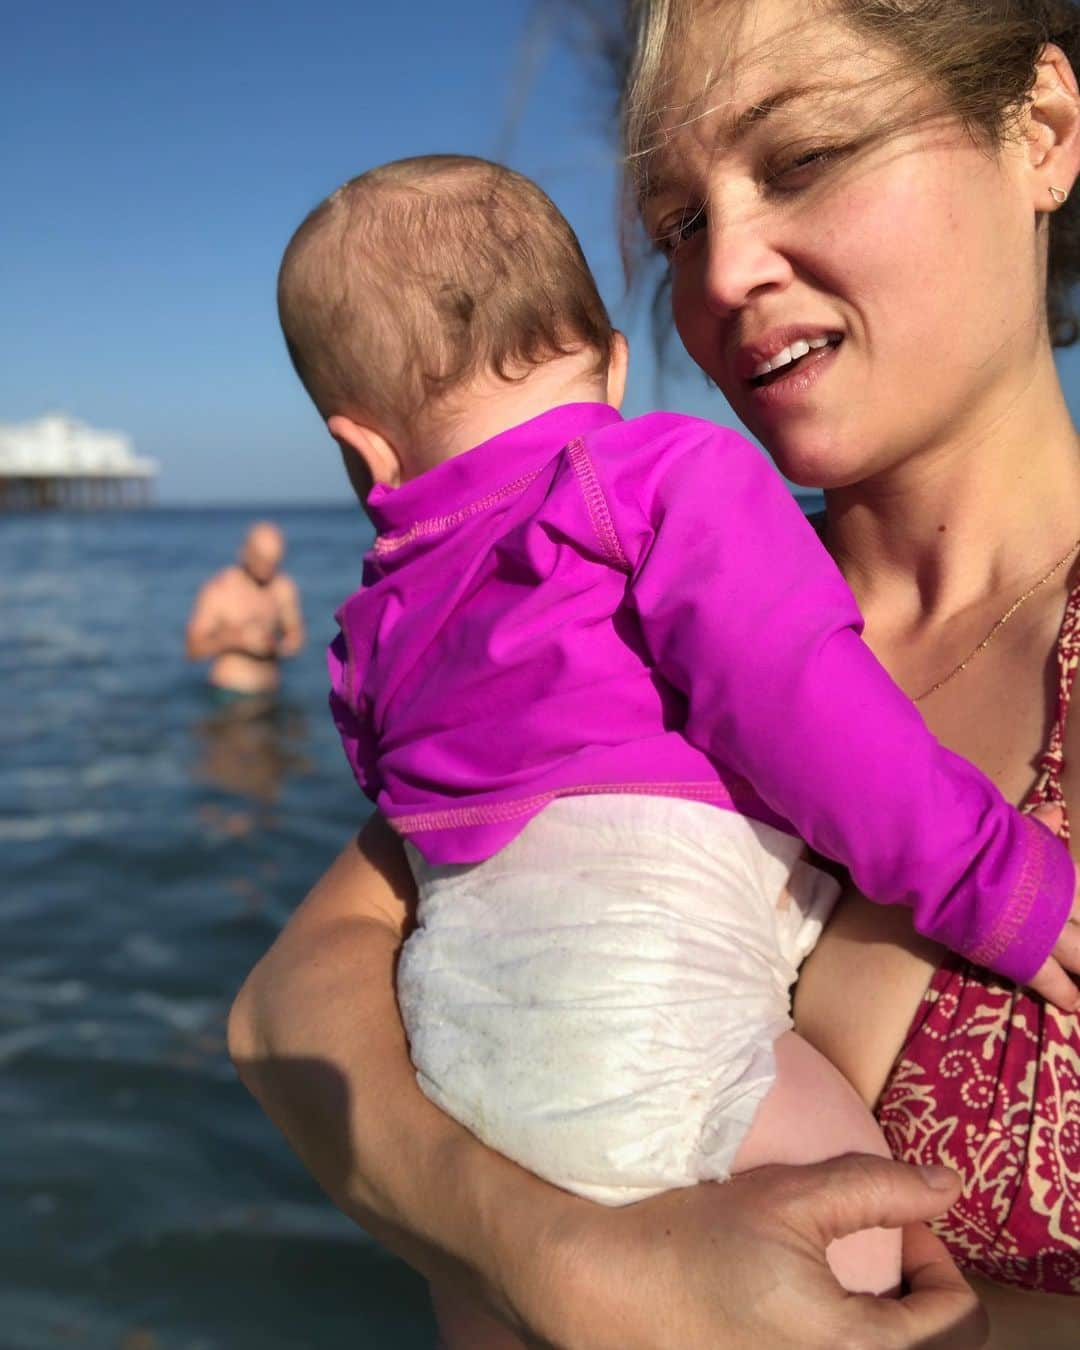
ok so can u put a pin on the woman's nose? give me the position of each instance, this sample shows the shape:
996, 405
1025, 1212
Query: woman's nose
743, 261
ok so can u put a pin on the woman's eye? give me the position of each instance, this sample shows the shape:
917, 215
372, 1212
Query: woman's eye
677, 230
797, 168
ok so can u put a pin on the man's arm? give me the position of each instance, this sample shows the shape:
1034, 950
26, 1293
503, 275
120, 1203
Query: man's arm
290, 617
205, 630
316, 1037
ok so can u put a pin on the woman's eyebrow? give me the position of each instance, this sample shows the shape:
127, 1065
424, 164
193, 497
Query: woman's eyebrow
764, 108
664, 176
653, 186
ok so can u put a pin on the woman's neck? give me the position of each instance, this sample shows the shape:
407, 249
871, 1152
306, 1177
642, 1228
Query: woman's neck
963, 522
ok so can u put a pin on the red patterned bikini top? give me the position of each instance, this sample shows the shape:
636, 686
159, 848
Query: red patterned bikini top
1052, 764
988, 1083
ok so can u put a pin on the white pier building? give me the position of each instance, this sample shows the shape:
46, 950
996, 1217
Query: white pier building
58, 462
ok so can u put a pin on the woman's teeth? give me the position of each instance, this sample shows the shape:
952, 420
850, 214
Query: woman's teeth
793, 353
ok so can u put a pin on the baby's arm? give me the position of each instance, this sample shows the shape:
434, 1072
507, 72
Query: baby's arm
746, 614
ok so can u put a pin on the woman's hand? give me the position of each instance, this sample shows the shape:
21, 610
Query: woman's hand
316, 1037
741, 1266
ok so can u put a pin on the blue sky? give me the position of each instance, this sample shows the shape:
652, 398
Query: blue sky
156, 158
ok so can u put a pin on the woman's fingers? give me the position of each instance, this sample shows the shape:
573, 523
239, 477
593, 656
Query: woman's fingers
940, 1311
844, 1195
928, 1268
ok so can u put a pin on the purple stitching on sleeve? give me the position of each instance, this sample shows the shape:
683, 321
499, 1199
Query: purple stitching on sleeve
596, 505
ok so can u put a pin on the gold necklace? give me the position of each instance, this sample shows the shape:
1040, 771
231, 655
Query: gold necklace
998, 626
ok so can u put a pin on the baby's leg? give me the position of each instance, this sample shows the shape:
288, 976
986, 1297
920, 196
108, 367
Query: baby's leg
811, 1113
464, 1325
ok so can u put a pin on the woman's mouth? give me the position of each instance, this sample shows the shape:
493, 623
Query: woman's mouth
794, 360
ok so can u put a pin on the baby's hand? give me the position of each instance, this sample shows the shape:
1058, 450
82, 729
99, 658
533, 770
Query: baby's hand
1051, 981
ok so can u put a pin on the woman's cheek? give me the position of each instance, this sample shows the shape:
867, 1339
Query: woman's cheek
697, 327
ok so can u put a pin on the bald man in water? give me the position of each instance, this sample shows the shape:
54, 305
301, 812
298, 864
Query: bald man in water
247, 617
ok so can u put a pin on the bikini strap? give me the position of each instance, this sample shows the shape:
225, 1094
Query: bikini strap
1052, 761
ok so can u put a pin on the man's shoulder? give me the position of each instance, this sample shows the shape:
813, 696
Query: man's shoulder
283, 587
220, 582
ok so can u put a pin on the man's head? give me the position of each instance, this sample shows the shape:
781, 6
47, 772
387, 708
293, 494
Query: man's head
262, 552
422, 276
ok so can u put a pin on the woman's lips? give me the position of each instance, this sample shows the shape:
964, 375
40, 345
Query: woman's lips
780, 388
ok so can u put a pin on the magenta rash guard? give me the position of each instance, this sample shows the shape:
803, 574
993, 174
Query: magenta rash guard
589, 604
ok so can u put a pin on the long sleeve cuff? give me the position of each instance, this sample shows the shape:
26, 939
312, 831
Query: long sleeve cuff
1028, 924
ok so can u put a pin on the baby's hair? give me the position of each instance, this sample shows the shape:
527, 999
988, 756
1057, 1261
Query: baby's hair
981, 54
417, 276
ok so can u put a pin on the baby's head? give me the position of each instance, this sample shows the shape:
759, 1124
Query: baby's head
432, 302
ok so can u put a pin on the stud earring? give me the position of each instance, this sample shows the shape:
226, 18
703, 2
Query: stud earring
1060, 195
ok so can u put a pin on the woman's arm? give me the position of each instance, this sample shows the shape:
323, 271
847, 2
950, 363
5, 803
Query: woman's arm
316, 1037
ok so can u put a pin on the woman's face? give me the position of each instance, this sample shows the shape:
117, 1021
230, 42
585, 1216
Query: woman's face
896, 273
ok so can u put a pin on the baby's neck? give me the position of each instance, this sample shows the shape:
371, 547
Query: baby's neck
492, 406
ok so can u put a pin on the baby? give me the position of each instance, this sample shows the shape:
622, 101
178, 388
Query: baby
605, 681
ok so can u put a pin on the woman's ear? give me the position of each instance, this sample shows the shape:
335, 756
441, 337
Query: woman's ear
1053, 130
377, 453
618, 364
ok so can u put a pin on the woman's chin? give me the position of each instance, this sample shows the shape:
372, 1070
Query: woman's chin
817, 465
807, 451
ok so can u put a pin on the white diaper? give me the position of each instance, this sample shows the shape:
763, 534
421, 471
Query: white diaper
599, 1000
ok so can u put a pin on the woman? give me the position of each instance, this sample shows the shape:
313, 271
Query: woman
884, 171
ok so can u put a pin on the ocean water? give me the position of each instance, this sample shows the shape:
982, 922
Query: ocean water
151, 846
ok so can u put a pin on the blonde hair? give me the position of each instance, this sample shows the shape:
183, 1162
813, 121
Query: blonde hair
981, 54
650, 24
418, 275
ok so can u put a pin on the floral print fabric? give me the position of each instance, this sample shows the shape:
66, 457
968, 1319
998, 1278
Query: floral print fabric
988, 1083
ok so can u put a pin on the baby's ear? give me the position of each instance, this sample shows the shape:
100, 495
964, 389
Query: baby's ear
377, 453
617, 368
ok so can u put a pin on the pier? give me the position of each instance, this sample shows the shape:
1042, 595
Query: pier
59, 463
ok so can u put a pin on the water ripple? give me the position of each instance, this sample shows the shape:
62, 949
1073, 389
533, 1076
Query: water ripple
149, 849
